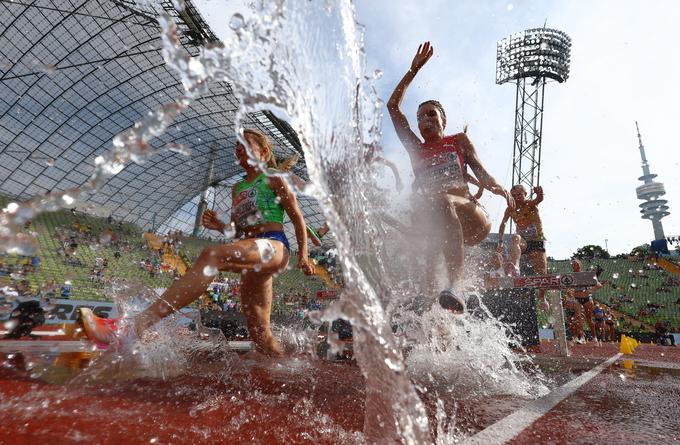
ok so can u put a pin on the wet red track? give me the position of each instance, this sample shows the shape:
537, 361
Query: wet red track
323, 403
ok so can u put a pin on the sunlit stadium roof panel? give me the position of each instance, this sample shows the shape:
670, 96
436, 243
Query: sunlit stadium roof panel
73, 74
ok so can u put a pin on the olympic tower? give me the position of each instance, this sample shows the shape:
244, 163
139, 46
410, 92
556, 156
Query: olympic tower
652, 208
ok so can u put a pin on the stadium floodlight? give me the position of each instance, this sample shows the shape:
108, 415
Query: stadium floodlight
539, 52
528, 58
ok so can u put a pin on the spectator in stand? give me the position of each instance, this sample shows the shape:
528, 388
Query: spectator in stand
573, 315
66, 290
610, 326
24, 288
35, 263
663, 336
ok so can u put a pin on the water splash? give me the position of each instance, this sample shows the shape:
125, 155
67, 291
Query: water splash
266, 72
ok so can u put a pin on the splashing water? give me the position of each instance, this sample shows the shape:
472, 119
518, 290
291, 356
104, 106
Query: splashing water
266, 71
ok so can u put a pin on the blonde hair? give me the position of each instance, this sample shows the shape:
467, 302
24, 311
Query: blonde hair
289, 163
263, 141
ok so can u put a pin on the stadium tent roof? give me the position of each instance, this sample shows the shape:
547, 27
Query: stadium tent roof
74, 73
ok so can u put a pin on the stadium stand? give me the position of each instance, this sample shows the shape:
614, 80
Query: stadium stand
635, 287
73, 246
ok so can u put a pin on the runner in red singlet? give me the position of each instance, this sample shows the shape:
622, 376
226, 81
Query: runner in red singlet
439, 163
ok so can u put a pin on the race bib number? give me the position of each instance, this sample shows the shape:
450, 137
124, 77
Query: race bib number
529, 232
443, 172
245, 209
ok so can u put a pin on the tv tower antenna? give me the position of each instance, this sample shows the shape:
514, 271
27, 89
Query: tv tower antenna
653, 208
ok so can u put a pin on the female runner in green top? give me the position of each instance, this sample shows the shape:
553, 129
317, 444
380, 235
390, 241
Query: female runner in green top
258, 205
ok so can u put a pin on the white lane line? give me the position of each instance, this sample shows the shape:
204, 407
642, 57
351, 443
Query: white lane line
509, 427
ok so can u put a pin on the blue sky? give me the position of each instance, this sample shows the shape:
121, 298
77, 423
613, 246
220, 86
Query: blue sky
624, 68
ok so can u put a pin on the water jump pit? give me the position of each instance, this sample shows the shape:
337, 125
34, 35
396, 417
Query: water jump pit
597, 395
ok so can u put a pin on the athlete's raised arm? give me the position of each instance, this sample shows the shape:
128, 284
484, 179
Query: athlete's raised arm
401, 126
538, 190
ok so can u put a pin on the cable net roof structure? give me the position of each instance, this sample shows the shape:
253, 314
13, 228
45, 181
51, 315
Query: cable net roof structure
74, 73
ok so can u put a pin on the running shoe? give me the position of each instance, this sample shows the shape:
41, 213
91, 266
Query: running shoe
118, 333
450, 300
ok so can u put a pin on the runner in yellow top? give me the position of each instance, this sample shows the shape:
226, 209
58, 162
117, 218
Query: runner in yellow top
529, 229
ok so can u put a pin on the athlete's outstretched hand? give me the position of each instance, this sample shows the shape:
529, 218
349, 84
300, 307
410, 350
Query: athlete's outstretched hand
211, 221
306, 265
425, 51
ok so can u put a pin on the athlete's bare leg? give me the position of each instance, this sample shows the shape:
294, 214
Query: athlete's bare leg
515, 249
612, 332
473, 219
577, 331
467, 225
453, 245
539, 262
256, 304
241, 256
588, 315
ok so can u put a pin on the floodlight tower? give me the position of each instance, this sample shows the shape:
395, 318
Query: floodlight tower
652, 208
529, 58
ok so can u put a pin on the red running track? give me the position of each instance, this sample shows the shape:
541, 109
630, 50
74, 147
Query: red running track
323, 402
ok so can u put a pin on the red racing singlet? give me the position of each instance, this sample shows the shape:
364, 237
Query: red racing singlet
442, 165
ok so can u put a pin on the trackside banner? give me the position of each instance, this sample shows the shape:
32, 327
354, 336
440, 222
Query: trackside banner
559, 281
62, 310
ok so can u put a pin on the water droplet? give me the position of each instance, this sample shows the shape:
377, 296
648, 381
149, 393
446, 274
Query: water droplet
267, 253
394, 365
237, 254
229, 231
68, 199
237, 22
179, 148
615, 275
11, 324
210, 271
510, 7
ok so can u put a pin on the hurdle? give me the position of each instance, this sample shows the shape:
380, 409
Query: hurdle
553, 285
